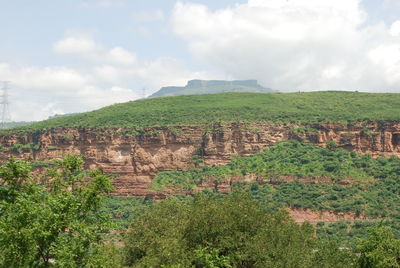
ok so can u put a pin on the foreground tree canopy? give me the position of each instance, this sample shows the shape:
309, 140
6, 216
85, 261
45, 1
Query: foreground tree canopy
223, 231
51, 220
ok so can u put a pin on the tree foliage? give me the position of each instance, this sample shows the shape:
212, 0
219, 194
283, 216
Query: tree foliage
213, 230
51, 220
380, 249
217, 231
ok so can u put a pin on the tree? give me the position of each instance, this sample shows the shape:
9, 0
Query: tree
330, 254
52, 219
213, 230
380, 249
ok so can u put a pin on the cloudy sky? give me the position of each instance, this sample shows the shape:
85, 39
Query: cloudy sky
65, 56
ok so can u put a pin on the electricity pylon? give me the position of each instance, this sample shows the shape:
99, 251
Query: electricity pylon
5, 109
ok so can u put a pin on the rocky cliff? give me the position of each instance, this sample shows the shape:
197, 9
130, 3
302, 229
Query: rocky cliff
136, 158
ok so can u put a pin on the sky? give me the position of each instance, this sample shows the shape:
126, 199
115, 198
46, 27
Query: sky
67, 56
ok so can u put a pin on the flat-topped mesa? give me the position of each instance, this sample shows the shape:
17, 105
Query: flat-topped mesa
197, 86
138, 157
210, 83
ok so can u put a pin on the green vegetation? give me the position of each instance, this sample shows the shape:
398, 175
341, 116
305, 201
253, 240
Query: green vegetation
304, 130
381, 249
18, 147
211, 230
123, 210
219, 231
54, 224
311, 107
349, 233
377, 200
290, 159
39, 164
68, 137
374, 188
60, 220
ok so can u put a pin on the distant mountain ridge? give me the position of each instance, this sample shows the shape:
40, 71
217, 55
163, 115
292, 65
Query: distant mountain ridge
17, 124
196, 87
13, 124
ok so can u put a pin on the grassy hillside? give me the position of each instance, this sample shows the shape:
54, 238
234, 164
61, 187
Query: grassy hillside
312, 107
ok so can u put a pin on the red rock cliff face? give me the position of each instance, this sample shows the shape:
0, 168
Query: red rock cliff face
136, 159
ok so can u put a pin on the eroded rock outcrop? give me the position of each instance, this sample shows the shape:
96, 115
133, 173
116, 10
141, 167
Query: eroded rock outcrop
136, 158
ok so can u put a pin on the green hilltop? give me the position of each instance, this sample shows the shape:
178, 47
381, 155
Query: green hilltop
310, 107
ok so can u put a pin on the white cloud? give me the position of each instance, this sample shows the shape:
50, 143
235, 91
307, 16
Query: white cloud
294, 44
387, 57
107, 73
38, 92
166, 71
94, 97
395, 28
118, 64
45, 79
75, 45
31, 110
83, 45
105, 76
120, 55
50, 78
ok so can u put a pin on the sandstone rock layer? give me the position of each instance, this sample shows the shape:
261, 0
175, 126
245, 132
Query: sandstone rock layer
136, 159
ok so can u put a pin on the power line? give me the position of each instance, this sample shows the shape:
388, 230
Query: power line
5, 109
